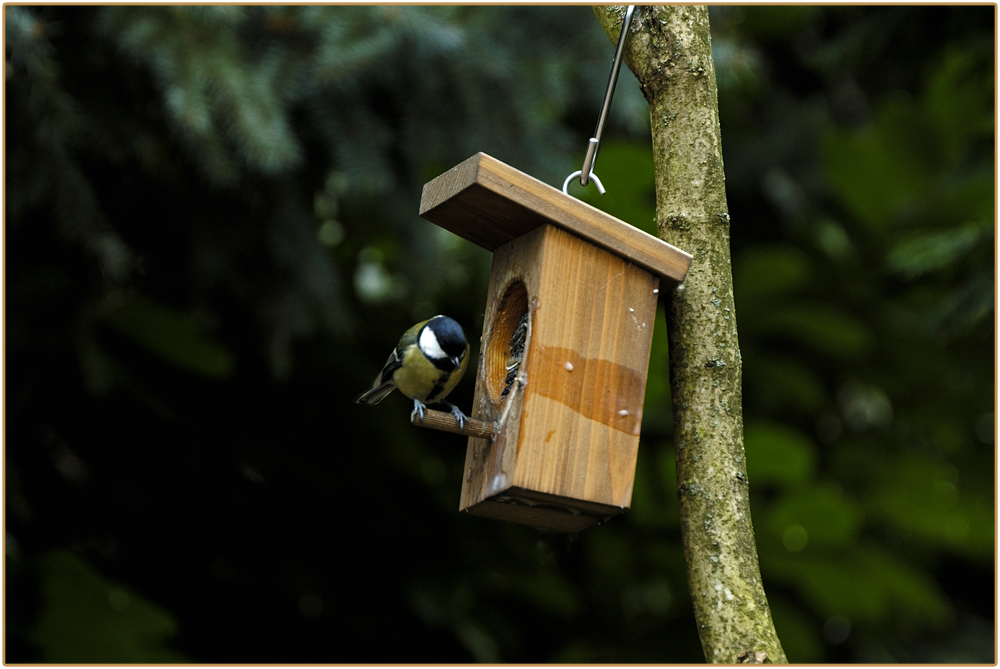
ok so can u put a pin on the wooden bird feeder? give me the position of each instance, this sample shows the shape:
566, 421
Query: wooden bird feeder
565, 345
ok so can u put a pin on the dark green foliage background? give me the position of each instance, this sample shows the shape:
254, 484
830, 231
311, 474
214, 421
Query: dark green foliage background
212, 244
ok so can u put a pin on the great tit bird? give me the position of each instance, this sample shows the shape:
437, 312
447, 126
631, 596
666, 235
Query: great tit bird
426, 365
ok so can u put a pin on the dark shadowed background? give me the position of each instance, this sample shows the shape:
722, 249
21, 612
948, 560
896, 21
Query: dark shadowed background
212, 244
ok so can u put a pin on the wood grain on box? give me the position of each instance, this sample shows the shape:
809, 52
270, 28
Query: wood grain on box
567, 417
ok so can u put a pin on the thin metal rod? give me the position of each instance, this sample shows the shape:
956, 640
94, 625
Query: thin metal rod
595, 141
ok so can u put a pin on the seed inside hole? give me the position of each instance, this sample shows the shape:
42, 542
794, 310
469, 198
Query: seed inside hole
508, 336
516, 353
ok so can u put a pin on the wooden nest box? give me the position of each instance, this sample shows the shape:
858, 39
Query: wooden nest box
565, 346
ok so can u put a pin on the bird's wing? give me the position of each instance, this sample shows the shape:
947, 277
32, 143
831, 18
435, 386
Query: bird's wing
376, 394
394, 362
383, 384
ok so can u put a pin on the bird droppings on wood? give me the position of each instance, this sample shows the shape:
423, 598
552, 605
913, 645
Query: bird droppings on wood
499, 482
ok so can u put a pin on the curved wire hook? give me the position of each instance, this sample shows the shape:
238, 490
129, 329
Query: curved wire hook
569, 179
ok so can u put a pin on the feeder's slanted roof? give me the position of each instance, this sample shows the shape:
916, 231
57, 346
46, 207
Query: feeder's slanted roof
490, 203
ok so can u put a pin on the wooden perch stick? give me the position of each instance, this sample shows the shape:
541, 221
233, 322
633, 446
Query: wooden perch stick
440, 420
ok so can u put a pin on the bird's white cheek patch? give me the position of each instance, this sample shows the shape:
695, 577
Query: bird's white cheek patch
429, 344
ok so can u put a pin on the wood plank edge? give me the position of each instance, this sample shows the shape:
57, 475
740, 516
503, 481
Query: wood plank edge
429, 199
661, 258
666, 260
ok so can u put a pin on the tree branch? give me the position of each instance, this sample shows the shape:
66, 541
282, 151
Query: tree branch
670, 52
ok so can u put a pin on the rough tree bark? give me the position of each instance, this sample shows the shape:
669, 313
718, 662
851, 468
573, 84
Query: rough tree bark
669, 50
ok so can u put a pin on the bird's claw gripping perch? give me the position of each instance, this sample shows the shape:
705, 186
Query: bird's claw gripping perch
453, 421
459, 416
418, 409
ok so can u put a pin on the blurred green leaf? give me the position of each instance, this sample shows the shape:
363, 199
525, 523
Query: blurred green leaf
925, 252
839, 587
172, 335
958, 100
478, 641
924, 499
86, 618
766, 270
969, 199
772, 21
969, 304
914, 595
879, 170
826, 514
798, 633
864, 585
823, 328
777, 454
782, 382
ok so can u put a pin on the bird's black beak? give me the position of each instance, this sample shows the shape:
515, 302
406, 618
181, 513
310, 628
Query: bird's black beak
457, 362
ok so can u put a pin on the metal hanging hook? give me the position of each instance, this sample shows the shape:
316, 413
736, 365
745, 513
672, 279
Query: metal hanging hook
569, 180
587, 172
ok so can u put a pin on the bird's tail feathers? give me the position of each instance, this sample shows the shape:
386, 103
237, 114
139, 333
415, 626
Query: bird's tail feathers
377, 394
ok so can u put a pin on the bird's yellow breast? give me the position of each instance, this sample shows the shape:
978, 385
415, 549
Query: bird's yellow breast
419, 379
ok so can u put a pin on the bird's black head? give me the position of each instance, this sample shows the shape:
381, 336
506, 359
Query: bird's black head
442, 339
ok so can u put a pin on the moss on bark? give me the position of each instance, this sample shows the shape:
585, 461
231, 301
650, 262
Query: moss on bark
670, 52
